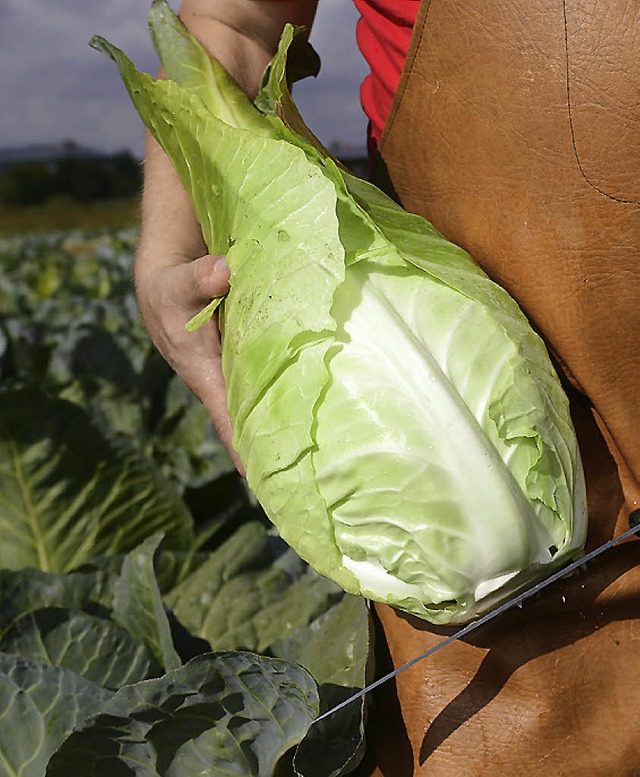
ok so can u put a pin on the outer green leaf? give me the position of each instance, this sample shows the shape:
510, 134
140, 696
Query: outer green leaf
26, 590
274, 98
95, 648
201, 318
188, 63
255, 610
224, 714
335, 650
333, 647
66, 493
39, 706
259, 320
138, 604
243, 597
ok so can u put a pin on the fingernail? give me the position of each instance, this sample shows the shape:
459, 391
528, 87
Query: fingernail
220, 263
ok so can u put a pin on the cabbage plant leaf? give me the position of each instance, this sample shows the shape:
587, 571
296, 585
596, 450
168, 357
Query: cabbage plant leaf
138, 605
334, 745
219, 714
397, 417
95, 648
41, 705
243, 597
68, 493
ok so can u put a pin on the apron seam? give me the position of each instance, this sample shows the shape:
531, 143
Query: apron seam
407, 70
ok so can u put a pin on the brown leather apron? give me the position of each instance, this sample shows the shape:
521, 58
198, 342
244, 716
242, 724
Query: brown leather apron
516, 132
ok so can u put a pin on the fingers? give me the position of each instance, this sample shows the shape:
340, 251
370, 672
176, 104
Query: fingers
213, 396
196, 283
169, 297
210, 277
203, 375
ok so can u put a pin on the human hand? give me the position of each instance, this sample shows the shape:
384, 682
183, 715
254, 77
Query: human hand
175, 277
169, 295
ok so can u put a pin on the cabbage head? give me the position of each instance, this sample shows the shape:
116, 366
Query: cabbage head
399, 421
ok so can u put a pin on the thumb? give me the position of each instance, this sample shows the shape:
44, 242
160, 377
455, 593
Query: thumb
202, 279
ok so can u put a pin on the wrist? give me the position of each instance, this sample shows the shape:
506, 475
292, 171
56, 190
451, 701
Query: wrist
243, 35
168, 224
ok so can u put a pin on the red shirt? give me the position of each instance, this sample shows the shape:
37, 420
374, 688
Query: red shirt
383, 34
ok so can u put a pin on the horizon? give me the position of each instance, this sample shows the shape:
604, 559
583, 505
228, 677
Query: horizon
72, 143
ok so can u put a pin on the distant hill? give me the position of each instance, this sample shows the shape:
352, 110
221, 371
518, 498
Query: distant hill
34, 173
49, 153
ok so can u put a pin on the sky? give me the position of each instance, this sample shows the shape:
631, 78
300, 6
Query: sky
54, 87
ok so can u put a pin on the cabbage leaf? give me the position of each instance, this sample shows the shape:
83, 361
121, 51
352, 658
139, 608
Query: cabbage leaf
398, 419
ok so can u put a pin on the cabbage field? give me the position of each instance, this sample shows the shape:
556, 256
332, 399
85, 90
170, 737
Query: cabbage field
151, 621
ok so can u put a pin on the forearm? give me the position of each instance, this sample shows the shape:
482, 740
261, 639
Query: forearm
169, 229
243, 35
174, 276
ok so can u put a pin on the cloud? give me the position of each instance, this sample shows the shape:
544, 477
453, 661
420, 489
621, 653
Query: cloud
54, 86
60, 88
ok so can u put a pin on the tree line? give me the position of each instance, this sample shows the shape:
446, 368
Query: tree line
33, 182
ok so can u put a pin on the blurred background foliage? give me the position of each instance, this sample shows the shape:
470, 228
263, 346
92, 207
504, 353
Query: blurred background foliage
128, 537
